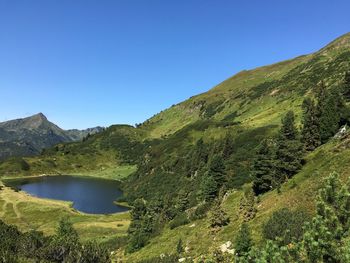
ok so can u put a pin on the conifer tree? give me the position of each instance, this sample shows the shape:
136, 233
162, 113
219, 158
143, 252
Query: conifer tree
288, 150
243, 242
213, 179
228, 146
209, 188
310, 134
346, 86
182, 201
198, 157
329, 118
324, 235
329, 108
263, 170
218, 216
217, 170
247, 205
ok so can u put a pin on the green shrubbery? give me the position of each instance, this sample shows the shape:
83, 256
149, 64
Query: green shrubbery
64, 246
325, 238
179, 220
285, 225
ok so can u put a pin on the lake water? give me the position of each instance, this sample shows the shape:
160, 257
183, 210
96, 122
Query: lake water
89, 195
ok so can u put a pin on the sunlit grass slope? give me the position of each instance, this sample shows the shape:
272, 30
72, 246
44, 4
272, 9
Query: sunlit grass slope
297, 193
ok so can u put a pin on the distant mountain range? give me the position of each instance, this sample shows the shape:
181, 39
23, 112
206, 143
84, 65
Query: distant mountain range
29, 136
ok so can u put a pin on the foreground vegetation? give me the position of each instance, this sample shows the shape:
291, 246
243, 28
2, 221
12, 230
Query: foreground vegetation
218, 177
63, 246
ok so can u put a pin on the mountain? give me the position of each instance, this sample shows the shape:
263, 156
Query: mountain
249, 106
174, 152
29, 136
78, 135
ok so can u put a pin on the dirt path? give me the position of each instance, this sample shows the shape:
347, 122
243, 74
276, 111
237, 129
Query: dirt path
3, 209
18, 214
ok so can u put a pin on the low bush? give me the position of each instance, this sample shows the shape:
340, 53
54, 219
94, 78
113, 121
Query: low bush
179, 220
285, 225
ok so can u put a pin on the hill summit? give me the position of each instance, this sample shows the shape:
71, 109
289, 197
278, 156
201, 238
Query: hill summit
30, 135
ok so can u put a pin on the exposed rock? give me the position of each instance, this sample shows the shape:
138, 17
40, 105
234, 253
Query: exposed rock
226, 248
342, 132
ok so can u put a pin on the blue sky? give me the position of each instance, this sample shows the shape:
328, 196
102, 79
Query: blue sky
87, 63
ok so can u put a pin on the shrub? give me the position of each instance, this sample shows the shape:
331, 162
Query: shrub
285, 225
200, 211
179, 220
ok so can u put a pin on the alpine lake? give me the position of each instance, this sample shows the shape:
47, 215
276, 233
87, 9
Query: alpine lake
87, 194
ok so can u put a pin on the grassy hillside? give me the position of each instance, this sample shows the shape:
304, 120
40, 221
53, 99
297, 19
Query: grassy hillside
259, 96
248, 107
111, 153
300, 192
168, 156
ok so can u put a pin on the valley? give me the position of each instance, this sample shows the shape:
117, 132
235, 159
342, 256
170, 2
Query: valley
194, 174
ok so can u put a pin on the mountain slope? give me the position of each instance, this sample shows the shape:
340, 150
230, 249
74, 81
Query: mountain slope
29, 136
298, 193
173, 150
256, 96
247, 106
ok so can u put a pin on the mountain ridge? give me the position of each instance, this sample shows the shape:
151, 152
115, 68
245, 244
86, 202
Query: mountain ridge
171, 154
30, 135
246, 83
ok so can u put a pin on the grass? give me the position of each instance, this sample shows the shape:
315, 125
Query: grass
255, 98
113, 173
296, 193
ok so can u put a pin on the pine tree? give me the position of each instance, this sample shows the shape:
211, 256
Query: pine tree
209, 188
228, 146
329, 118
310, 134
66, 230
263, 170
324, 235
288, 151
247, 205
182, 201
329, 108
217, 170
218, 216
198, 157
243, 242
346, 86
213, 179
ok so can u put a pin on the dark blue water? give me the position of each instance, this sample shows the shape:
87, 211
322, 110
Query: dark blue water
89, 195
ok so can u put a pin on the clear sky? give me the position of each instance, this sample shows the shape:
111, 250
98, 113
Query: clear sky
99, 62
